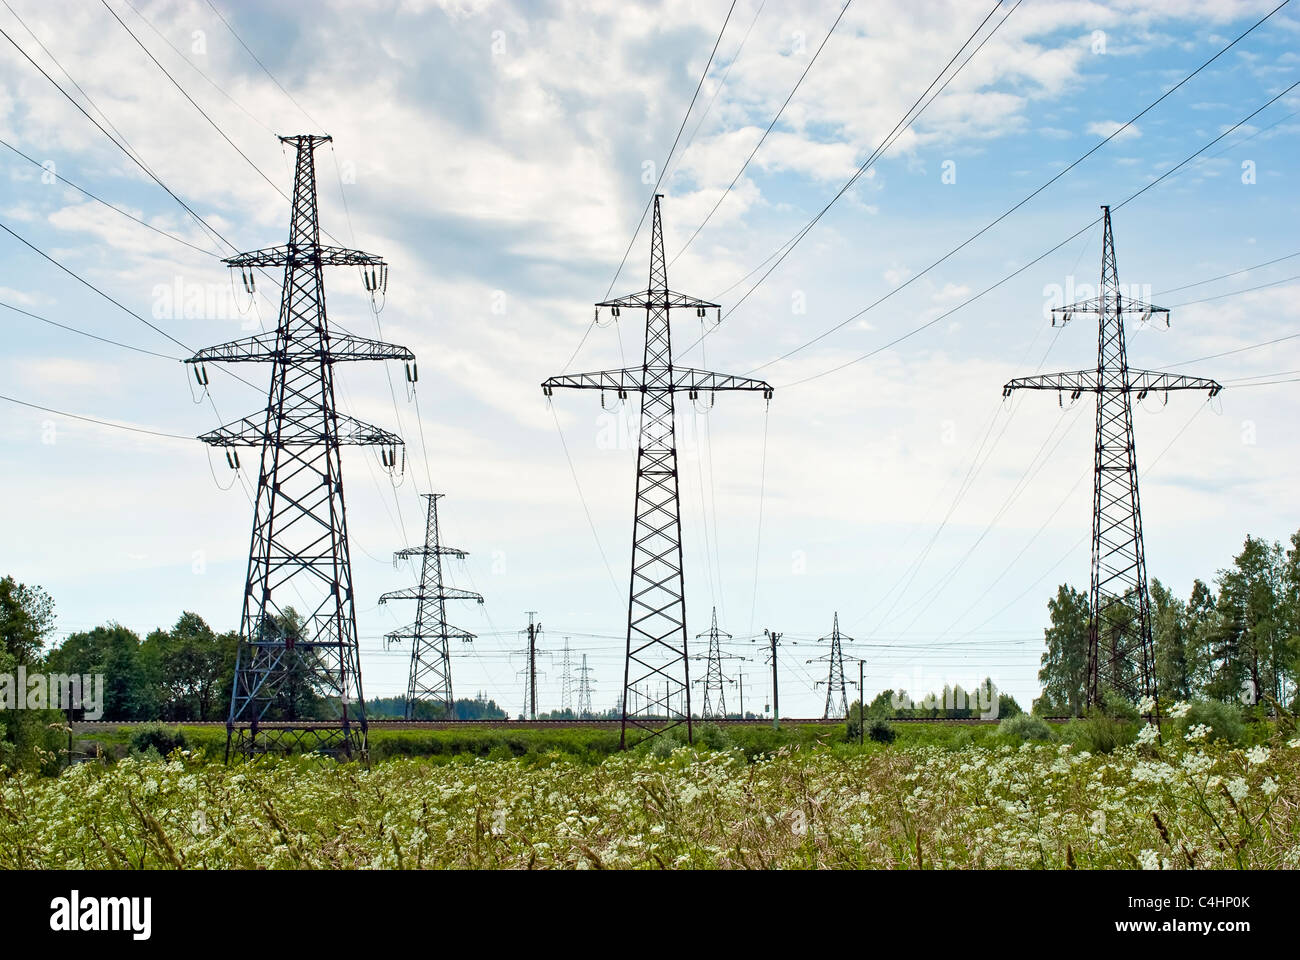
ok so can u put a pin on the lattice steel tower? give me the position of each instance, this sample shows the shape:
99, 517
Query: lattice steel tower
1121, 656
715, 682
298, 560
584, 689
835, 685
656, 622
430, 678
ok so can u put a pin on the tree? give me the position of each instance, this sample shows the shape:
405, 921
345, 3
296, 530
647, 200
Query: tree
1064, 666
132, 687
1169, 635
26, 619
192, 664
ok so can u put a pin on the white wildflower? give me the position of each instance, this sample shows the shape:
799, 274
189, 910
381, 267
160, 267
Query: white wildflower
1269, 786
1257, 755
1149, 859
1179, 710
1148, 734
1147, 705
1198, 732
1238, 789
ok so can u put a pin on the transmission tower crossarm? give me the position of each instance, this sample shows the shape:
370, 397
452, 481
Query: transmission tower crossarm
416, 631
1141, 382
429, 551
305, 254
350, 431
655, 377
423, 592
1106, 305
268, 348
662, 299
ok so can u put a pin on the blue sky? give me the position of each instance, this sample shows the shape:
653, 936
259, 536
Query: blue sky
495, 153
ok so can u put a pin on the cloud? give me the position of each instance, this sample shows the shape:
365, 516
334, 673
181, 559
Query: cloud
1105, 128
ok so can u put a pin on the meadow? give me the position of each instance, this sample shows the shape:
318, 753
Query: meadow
934, 798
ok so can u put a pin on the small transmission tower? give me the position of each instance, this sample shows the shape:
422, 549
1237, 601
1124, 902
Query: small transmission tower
566, 679
715, 702
299, 552
836, 694
430, 678
1121, 656
656, 619
584, 689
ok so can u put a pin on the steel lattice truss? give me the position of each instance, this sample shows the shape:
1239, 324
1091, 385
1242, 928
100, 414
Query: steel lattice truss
298, 558
657, 658
1121, 655
430, 677
715, 698
836, 694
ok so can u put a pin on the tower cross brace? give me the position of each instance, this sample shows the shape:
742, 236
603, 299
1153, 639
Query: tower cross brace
657, 658
299, 550
430, 675
1121, 653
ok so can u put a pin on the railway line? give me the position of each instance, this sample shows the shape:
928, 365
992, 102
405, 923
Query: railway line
89, 726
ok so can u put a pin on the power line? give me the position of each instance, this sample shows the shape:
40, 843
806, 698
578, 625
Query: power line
775, 118
988, 226
903, 124
668, 159
102, 423
87, 333
1015, 273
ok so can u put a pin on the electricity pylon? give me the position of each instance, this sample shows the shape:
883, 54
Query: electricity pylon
584, 689
299, 551
715, 703
1121, 656
835, 678
430, 676
566, 679
656, 620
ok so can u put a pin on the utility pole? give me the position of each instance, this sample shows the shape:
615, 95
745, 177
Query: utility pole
773, 638
1121, 655
715, 704
298, 628
656, 621
430, 676
566, 680
584, 689
533, 630
862, 698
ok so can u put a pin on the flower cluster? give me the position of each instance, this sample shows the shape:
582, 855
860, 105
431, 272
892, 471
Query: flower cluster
1173, 805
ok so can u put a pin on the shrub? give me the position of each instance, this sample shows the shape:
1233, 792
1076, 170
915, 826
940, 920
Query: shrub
880, 730
1023, 726
1223, 719
1100, 732
158, 738
713, 737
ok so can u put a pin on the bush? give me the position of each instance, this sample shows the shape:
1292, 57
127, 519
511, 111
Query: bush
713, 737
1223, 719
880, 730
163, 740
1100, 732
1023, 726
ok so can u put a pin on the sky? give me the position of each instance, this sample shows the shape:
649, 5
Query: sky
500, 157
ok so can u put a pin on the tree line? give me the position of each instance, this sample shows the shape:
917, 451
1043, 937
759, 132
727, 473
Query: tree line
1234, 639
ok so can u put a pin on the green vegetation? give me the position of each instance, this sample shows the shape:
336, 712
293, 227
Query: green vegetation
1187, 803
1237, 645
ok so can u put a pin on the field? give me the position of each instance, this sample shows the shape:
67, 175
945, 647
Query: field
936, 798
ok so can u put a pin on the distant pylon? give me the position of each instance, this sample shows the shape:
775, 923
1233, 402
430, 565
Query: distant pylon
584, 689
656, 622
566, 679
298, 629
715, 698
836, 694
1121, 655
430, 675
